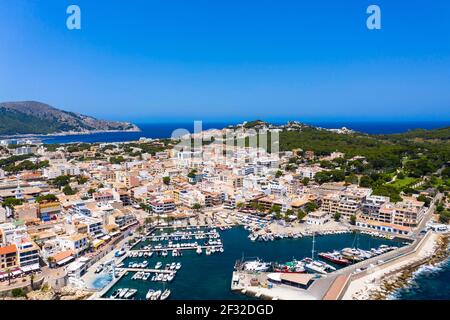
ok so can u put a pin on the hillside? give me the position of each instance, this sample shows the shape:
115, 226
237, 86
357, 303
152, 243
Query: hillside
31, 117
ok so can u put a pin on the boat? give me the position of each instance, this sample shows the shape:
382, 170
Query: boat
164, 253
291, 267
158, 265
178, 266
156, 295
115, 294
316, 266
256, 266
165, 294
149, 294
170, 277
140, 254
130, 293
334, 257
199, 250
122, 293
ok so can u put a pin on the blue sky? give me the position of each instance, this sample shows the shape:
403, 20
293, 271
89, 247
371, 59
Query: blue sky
145, 60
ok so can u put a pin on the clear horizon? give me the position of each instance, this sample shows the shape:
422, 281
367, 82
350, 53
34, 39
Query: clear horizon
276, 61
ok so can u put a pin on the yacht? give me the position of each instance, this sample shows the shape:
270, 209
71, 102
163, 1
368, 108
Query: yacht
149, 294
122, 293
165, 294
130, 294
115, 294
256, 266
156, 295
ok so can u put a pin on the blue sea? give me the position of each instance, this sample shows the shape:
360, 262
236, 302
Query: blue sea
166, 130
428, 283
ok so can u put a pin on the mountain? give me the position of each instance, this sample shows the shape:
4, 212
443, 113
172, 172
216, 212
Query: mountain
31, 117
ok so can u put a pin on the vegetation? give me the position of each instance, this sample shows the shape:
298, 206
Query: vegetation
166, 180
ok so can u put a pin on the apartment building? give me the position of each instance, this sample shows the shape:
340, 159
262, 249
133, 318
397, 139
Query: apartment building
399, 217
8, 257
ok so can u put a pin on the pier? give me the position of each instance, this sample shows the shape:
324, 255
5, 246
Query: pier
146, 270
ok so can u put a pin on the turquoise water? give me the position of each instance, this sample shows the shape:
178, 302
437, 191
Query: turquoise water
209, 277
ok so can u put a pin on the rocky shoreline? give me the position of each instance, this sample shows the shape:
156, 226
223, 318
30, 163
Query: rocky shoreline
401, 279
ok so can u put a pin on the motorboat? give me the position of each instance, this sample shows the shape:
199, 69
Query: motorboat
256, 266
130, 293
122, 293
158, 265
149, 294
165, 294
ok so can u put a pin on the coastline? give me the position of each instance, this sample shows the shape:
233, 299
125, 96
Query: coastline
383, 283
65, 133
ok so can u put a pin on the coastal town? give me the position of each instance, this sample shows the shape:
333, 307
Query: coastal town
89, 220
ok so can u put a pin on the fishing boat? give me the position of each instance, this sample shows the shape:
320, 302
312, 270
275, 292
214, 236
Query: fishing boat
291, 267
165, 294
334, 257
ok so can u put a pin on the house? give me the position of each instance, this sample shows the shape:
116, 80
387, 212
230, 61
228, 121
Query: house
318, 217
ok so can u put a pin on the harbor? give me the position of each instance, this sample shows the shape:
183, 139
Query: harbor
199, 270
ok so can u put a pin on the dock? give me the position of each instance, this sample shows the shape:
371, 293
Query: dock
146, 270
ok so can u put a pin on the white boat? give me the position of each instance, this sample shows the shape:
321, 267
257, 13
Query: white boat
156, 295
178, 266
122, 293
170, 277
116, 293
149, 294
199, 250
140, 254
221, 249
165, 294
130, 294
164, 253
256, 266
158, 265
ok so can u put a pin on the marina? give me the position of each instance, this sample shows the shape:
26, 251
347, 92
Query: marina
198, 271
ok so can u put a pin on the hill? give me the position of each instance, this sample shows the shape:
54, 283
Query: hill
31, 117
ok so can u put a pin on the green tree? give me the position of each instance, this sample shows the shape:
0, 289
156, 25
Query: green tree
353, 220
196, 207
166, 180
337, 216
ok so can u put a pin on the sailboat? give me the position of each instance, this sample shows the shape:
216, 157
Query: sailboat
316, 266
